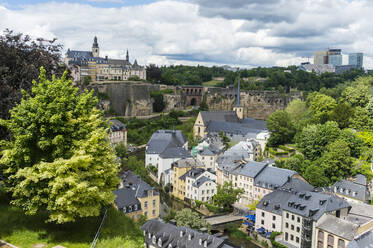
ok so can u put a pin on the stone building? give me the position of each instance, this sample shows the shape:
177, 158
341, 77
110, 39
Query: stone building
135, 197
89, 64
117, 132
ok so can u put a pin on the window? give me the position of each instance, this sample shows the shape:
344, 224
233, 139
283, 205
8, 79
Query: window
262, 214
273, 217
153, 212
287, 225
262, 222
273, 226
287, 215
145, 204
297, 239
286, 236
292, 217
298, 219
298, 229
292, 227
291, 237
153, 203
341, 243
330, 240
320, 236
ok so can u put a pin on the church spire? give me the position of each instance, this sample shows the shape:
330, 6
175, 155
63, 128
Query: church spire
127, 57
238, 99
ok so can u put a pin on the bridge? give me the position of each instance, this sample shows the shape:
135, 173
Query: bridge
223, 219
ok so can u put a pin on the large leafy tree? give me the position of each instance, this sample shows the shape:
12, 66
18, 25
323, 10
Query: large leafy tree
359, 93
188, 218
58, 159
227, 195
314, 138
20, 60
337, 161
281, 127
321, 107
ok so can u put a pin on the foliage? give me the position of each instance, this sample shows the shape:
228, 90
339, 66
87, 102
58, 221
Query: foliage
20, 60
359, 93
224, 139
171, 215
321, 107
296, 163
281, 128
134, 78
186, 217
103, 96
274, 243
342, 114
59, 159
153, 169
314, 138
121, 150
354, 142
87, 80
367, 137
252, 205
315, 175
226, 196
159, 103
167, 188
296, 109
361, 119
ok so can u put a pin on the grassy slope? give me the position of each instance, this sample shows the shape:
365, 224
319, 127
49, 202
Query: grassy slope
211, 83
26, 231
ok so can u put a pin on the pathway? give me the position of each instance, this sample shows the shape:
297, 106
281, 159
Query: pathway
223, 219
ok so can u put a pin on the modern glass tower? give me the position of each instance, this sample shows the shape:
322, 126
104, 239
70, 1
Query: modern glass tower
356, 59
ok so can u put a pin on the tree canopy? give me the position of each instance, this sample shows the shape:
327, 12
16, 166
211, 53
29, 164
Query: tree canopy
186, 217
20, 60
59, 158
226, 196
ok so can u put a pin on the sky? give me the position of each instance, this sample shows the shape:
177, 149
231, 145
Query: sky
244, 33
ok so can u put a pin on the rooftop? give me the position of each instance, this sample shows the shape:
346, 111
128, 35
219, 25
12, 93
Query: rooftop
164, 139
116, 125
250, 169
168, 235
224, 116
272, 177
338, 226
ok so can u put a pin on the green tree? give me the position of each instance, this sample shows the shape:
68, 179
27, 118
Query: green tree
321, 107
121, 150
315, 175
337, 161
359, 93
281, 128
296, 109
314, 138
361, 119
226, 196
59, 158
186, 217
296, 163
354, 142
342, 114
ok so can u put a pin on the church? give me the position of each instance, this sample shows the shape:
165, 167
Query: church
89, 64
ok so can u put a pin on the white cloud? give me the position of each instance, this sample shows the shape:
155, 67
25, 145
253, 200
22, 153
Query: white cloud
175, 32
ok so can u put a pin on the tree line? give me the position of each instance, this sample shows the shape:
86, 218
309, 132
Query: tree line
332, 132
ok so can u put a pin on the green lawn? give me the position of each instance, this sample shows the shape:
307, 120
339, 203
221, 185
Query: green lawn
211, 83
26, 231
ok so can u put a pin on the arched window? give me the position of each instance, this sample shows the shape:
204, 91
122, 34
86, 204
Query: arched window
341, 243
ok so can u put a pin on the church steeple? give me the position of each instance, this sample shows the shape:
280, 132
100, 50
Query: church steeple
127, 57
238, 99
95, 48
238, 108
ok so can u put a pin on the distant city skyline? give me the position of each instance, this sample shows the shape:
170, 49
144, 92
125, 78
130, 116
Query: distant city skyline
207, 32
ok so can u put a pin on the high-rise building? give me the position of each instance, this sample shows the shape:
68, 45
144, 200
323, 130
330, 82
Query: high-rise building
335, 57
356, 59
320, 58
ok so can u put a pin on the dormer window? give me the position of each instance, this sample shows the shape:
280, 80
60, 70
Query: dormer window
170, 246
149, 235
160, 242
154, 239
200, 241
205, 244
181, 234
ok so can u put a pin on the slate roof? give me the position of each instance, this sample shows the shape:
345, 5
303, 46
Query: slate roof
225, 116
314, 204
82, 57
296, 185
360, 179
175, 152
338, 226
250, 169
126, 197
361, 210
131, 179
271, 177
255, 124
193, 173
206, 152
274, 201
200, 181
164, 139
187, 162
364, 241
116, 125
232, 128
351, 190
170, 234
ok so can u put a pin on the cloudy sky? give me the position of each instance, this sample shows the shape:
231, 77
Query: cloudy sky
246, 33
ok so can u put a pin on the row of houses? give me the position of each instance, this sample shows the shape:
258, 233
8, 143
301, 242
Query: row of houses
309, 217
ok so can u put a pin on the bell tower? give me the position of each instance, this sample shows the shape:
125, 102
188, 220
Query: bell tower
238, 108
95, 48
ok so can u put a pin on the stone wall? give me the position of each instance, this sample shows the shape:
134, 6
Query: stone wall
256, 104
128, 98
